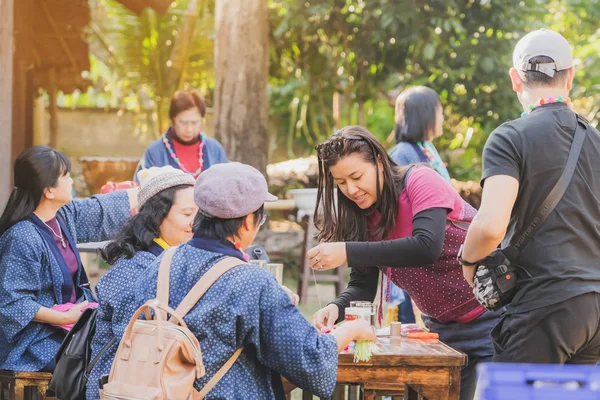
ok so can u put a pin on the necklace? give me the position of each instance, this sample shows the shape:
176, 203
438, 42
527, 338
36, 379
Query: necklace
549, 100
176, 159
61, 237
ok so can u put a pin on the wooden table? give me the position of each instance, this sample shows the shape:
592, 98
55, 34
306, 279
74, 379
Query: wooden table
430, 369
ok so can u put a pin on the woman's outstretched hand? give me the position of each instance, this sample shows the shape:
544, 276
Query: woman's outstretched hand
327, 256
326, 317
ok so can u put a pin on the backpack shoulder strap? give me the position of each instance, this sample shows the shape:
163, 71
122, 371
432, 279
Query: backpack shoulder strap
210, 277
163, 283
190, 300
220, 374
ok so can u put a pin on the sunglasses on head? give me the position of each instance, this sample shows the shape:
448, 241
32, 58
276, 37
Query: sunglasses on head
334, 146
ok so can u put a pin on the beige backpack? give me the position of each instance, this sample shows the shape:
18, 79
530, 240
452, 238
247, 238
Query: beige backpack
158, 358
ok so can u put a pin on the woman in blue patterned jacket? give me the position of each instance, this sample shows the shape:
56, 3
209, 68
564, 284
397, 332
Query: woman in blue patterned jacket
166, 214
246, 307
40, 266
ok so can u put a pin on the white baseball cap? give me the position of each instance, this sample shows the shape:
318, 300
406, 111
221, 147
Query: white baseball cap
543, 42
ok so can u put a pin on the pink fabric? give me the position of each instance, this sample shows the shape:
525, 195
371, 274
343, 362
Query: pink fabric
111, 186
439, 290
66, 307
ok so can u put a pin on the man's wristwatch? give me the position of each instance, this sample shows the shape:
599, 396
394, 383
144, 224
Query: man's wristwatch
463, 261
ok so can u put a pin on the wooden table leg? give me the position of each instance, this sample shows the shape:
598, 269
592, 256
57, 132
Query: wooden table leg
339, 393
410, 393
454, 393
450, 392
18, 393
369, 394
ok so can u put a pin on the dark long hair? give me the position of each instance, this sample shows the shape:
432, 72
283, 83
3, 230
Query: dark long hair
416, 111
140, 230
349, 222
36, 169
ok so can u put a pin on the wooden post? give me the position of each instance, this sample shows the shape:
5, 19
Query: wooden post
241, 73
52, 92
23, 64
39, 121
337, 110
361, 114
6, 78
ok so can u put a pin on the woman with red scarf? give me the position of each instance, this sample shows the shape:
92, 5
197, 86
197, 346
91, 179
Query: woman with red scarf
184, 146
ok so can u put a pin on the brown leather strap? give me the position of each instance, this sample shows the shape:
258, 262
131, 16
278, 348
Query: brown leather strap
207, 280
190, 300
220, 374
163, 284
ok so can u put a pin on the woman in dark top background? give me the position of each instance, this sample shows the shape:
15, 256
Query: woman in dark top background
393, 219
419, 119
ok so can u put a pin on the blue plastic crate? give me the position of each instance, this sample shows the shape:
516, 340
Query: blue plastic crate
500, 381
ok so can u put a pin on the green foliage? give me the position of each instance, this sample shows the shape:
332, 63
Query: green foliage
369, 51
341, 62
577, 20
139, 61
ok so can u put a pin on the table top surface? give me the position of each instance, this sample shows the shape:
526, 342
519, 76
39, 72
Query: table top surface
397, 351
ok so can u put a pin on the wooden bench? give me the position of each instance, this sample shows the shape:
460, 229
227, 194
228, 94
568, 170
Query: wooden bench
24, 385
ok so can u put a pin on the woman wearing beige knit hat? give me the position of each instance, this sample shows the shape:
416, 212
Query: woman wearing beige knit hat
166, 213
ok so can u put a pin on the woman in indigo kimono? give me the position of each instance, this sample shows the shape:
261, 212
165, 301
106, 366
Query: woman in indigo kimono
246, 306
40, 266
165, 218
184, 145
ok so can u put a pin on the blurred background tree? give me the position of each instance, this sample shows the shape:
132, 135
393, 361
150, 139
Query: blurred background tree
340, 62
139, 61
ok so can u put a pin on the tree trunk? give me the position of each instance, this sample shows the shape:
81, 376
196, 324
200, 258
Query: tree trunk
241, 72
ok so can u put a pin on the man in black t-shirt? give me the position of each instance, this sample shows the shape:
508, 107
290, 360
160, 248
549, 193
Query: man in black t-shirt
555, 315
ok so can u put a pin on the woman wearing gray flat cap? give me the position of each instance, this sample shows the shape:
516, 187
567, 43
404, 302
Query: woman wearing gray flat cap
245, 315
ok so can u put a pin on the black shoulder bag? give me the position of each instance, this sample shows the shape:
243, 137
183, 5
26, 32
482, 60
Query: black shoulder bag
73, 363
496, 279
